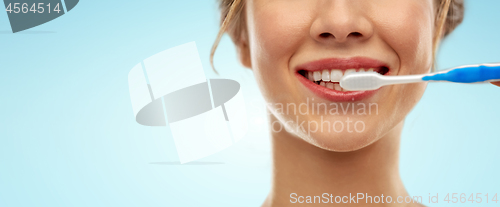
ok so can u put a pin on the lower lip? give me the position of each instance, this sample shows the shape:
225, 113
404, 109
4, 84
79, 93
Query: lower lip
333, 95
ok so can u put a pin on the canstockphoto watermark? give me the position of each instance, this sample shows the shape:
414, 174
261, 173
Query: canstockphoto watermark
346, 116
26, 14
311, 108
313, 126
352, 199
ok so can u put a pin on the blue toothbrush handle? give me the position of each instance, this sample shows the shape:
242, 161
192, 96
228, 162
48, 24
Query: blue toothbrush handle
468, 74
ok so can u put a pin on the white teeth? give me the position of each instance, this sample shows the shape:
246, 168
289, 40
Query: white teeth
331, 78
326, 75
336, 75
317, 75
337, 87
329, 85
349, 71
310, 76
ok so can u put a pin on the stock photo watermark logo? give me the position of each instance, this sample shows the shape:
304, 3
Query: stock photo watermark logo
315, 116
205, 116
26, 14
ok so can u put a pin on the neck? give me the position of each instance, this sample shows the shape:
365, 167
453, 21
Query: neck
302, 169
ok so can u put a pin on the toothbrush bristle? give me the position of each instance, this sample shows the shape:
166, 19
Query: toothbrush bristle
361, 81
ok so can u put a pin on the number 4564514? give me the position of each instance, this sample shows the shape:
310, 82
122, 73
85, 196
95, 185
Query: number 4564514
35, 8
478, 198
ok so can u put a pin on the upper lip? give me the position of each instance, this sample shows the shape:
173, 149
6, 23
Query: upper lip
342, 64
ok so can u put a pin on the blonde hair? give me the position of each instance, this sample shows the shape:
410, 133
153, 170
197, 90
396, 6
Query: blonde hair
450, 14
232, 22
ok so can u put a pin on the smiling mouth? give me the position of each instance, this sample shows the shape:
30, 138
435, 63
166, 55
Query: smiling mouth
330, 78
321, 77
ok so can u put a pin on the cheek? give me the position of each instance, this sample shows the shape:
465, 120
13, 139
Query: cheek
277, 29
408, 29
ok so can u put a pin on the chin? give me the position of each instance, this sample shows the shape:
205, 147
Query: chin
345, 139
343, 142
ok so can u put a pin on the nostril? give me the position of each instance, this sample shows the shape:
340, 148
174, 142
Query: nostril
355, 34
326, 34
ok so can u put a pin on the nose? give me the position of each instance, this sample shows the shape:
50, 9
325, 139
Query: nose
340, 21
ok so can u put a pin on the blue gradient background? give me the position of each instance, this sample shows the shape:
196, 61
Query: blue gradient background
68, 136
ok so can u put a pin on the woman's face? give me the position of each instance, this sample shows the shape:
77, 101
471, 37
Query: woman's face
291, 40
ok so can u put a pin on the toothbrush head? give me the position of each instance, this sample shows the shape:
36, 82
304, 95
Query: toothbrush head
362, 81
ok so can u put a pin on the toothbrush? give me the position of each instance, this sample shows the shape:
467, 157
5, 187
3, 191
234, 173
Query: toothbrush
465, 74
